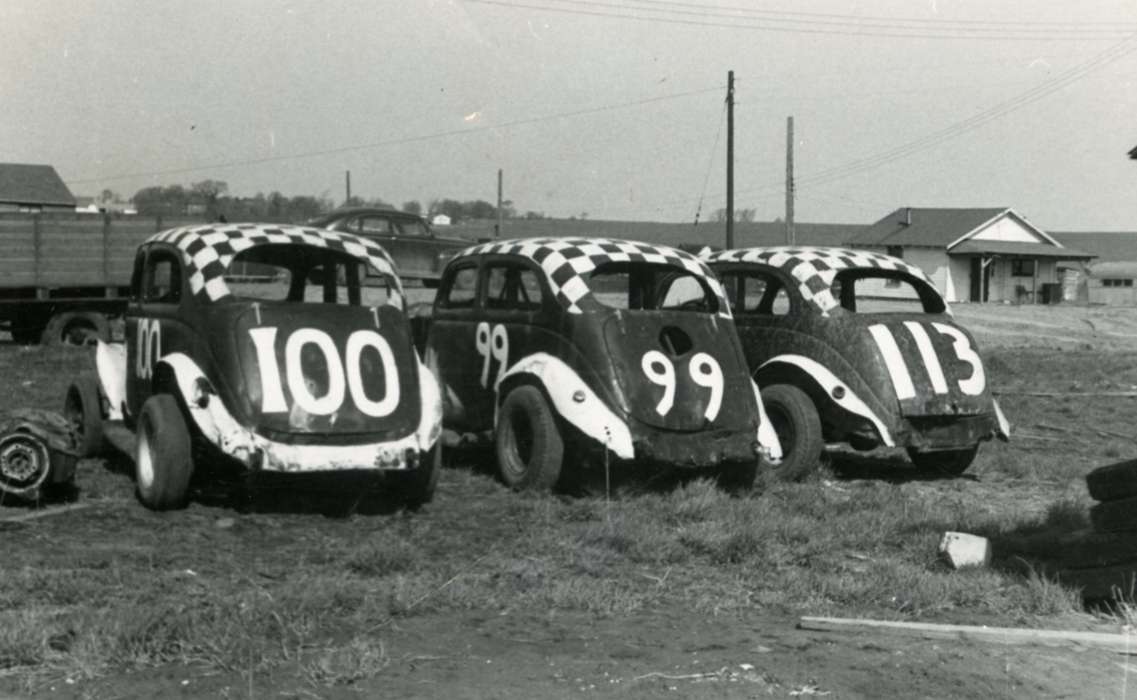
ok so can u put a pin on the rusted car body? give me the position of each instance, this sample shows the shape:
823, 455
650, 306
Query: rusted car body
858, 347
617, 349
417, 249
285, 348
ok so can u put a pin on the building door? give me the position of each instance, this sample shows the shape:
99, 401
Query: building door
977, 279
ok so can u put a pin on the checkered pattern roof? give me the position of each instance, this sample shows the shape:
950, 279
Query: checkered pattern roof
566, 260
209, 249
815, 268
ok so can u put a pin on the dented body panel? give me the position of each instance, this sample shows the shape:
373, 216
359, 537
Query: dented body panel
899, 378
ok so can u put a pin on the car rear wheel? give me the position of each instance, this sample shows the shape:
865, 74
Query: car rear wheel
83, 409
530, 450
163, 462
795, 420
953, 462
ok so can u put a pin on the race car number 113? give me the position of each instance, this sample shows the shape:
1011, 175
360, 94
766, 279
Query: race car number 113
344, 375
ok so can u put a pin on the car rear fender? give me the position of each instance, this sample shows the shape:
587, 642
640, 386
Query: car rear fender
110, 364
827, 382
572, 399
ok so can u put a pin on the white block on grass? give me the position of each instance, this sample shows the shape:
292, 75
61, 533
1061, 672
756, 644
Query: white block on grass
960, 550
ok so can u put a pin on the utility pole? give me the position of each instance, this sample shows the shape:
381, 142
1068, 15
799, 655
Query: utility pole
730, 159
347, 182
791, 236
500, 217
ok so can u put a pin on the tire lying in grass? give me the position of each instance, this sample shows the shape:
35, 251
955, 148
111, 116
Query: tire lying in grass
163, 462
1113, 481
82, 406
798, 427
530, 450
1115, 516
952, 462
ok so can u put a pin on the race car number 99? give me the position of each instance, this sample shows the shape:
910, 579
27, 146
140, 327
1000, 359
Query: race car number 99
344, 376
702, 369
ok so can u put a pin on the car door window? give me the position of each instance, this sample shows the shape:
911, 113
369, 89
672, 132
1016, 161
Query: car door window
512, 287
162, 281
756, 294
462, 288
374, 226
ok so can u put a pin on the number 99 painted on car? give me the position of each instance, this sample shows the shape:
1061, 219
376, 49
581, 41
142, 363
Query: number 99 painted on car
575, 352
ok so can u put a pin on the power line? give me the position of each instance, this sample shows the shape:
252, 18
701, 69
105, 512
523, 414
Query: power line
587, 8
400, 141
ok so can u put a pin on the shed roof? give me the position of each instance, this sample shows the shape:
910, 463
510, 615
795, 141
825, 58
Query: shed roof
935, 228
1119, 268
33, 185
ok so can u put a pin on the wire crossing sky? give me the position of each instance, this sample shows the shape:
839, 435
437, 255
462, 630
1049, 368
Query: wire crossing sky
597, 108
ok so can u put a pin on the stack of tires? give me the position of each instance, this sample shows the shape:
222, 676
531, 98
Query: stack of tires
1114, 487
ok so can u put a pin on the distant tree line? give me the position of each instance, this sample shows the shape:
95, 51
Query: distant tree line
210, 199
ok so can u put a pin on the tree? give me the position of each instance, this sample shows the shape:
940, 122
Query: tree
109, 196
412, 207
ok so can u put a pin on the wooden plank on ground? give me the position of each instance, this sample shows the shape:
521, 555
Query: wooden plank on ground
1118, 643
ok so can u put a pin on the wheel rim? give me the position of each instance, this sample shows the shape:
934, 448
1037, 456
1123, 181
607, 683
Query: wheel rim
80, 334
145, 458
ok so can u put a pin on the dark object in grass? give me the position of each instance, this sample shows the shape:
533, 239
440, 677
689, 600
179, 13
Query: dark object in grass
1115, 516
1114, 481
37, 453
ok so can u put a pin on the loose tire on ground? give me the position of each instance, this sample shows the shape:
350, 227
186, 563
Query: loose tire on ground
163, 461
1113, 481
530, 450
953, 462
798, 427
83, 408
76, 328
1115, 516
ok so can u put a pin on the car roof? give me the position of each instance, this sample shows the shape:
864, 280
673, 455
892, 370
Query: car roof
207, 250
814, 267
566, 260
325, 219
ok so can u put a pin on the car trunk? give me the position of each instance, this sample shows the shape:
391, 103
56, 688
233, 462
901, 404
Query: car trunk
931, 363
304, 383
654, 350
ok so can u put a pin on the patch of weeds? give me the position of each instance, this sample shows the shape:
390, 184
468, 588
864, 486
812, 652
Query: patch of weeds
383, 558
360, 659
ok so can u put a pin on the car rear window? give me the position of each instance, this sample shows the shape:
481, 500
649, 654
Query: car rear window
650, 287
306, 275
884, 291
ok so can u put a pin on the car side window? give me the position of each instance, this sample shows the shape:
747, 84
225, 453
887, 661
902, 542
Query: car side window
462, 289
756, 294
374, 225
511, 286
162, 281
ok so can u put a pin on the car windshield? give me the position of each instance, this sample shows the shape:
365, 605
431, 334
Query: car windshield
307, 275
885, 291
639, 286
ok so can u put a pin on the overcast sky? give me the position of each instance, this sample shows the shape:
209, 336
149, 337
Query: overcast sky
605, 107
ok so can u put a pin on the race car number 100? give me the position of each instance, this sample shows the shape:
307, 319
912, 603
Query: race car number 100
344, 375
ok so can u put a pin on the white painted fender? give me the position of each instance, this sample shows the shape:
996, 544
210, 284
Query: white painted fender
828, 381
223, 430
110, 364
590, 415
767, 436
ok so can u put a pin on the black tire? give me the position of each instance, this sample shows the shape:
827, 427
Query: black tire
163, 460
83, 408
738, 477
1113, 482
798, 427
1115, 516
530, 450
76, 328
418, 488
26, 335
952, 462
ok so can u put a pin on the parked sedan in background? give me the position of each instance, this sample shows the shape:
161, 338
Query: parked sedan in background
419, 253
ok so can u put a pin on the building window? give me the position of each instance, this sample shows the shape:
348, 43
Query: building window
1117, 282
1022, 268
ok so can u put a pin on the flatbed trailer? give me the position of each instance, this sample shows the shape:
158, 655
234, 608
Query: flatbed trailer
65, 276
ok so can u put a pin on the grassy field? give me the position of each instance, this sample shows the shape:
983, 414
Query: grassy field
282, 592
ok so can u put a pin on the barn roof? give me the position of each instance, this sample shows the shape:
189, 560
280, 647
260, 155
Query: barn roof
33, 185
